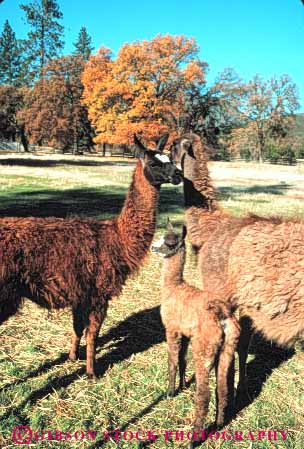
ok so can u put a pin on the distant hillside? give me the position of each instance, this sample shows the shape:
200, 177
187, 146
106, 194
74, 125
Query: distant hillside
298, 129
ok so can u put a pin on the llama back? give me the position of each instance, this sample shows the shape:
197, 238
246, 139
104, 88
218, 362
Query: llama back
266, 266
188, 308
262, 262
214, 253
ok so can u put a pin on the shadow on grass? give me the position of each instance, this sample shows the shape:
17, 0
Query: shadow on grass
143, 444
88, 203
44, 163
37, 372
268, 357
273, 189
137, 333
63, 203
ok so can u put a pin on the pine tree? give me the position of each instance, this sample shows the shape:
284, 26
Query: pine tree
44, 41
10, 57
84, 44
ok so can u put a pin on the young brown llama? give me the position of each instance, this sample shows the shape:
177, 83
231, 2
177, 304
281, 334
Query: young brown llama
83, 263
206, 318
260, 259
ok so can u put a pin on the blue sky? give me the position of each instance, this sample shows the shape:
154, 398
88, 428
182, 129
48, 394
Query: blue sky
253, 36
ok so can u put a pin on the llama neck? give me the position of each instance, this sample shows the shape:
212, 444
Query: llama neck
137, 220
173, 270
199, 194
201, 224
198, 189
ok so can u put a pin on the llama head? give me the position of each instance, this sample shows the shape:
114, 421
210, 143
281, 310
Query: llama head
158, 169
183, 154
191, 154
171, 242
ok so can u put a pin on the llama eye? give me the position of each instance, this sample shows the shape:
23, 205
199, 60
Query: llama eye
154, 163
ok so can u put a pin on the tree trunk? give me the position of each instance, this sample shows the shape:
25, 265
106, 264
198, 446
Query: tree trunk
23, 139
75, 130
75, 144
261, 146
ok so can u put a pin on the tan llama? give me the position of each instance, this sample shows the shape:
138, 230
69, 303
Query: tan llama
261, 259
206, 319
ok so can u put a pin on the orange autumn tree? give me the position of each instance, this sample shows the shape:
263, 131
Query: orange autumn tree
143, 90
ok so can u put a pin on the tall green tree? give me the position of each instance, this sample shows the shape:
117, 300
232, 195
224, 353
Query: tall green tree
83, 45
10, 57
44, 41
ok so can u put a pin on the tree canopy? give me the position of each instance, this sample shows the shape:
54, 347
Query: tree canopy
44, 41
150, 87
10, 57
143, 88
268, 114
83, 45
12, 101
53, 113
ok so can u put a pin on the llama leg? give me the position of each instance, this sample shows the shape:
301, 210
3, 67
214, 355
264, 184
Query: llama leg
204, 358
225, 372
182, 362
78, 327
95, 321
9, 305
204, 355
174, 345
243, 346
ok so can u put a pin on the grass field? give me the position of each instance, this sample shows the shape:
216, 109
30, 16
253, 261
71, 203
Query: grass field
40, 388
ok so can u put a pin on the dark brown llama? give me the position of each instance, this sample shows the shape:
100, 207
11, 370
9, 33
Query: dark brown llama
261, 260
204, 317
83, 263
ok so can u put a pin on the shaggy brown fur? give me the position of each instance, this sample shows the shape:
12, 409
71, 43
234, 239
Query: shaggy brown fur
262, 260
204, 317
80, 263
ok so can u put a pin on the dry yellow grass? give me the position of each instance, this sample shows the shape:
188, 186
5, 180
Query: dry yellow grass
41, 389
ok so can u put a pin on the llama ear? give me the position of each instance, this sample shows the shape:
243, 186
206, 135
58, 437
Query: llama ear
162, 142
169, 225
140, 150
184, 232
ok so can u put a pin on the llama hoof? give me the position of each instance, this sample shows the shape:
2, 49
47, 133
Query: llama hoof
73, 357
220, 423
193, 444
182, 386
92, 377
170, 394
